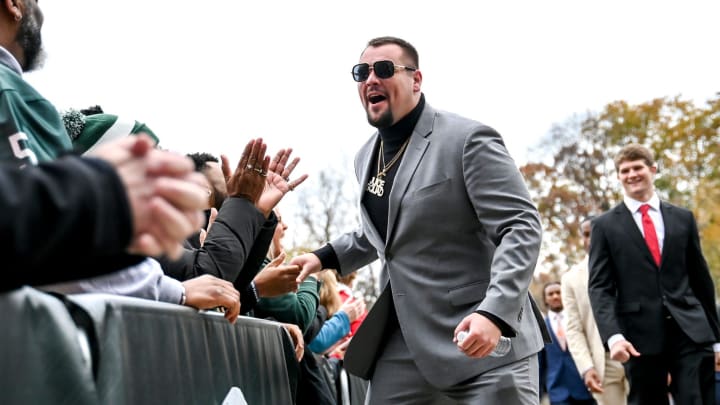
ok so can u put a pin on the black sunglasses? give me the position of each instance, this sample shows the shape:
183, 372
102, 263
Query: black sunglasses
383, 69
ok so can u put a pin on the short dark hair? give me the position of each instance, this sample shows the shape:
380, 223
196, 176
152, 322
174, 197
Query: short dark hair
634, 151
410, 52
200, 159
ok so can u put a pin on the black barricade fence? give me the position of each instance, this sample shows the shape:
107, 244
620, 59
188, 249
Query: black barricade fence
103, 349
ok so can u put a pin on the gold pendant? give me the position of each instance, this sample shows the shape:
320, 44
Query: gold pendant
375, 186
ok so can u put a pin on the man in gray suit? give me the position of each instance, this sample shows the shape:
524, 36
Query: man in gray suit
446, 211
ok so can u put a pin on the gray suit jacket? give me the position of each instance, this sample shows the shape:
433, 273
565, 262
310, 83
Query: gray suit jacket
463, 235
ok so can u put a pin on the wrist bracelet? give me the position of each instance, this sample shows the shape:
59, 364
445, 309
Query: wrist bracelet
254, 290
183, 297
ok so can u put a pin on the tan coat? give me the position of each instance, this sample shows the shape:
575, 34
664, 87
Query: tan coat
583, 338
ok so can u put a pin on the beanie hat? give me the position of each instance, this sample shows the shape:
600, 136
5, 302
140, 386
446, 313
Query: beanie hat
89, 131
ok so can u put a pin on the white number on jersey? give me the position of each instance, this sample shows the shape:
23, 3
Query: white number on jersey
20, 149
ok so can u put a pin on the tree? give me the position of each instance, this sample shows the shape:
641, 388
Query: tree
326, 209
575, 175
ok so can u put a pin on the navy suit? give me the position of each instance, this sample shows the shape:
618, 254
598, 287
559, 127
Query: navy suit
559, 375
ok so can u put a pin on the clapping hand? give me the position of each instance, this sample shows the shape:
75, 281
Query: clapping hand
353, 307
278, 180
165, 195
249, 179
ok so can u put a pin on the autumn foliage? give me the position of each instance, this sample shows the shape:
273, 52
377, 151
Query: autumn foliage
574, 176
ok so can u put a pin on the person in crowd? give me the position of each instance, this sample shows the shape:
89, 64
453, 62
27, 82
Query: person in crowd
36, 133
210, 167
445, 209
276, 277
299, 307
237, 242
95, 215
651, 290
603, 376
146, 280
329, 330
30, 123
558, 373
345, 289
90, 127
340, 314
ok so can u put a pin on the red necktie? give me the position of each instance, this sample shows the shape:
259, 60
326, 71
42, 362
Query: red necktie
650, 234
560, 332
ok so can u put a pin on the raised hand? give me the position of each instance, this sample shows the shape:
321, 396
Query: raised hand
248, 181
278, 179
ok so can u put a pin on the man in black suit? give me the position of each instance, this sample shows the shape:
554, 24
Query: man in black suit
651, 290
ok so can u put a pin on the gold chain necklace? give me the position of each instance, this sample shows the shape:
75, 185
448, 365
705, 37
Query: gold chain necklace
376, 184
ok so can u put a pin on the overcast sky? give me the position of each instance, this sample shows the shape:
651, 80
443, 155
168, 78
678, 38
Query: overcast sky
208, 76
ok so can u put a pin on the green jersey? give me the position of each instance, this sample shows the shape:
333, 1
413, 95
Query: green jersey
31, 129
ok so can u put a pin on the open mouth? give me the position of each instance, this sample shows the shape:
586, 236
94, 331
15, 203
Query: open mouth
376, 99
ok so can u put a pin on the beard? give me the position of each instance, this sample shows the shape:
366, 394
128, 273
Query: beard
385, 120
30, 40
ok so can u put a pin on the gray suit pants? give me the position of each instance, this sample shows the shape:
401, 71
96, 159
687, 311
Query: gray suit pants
397, 380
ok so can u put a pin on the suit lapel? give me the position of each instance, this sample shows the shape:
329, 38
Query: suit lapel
669, 225
408, 165
630, 228
551, 332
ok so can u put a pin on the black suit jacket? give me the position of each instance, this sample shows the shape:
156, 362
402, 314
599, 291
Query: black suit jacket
629, 292
72, 213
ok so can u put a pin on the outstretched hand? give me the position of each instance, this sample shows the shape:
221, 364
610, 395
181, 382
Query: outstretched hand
309, 263
277, 278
